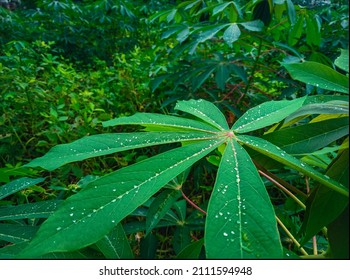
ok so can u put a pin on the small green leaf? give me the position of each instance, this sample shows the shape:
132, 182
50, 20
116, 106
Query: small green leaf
240, 221
266, 114
191, 251
106, 201
17, 185
160, 207
296, 31
232, 34
318, 75
255, 25
343, 60
115, 245
313, 33
207, 33
205, 111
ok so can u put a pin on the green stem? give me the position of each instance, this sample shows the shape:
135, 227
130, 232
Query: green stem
291, 237
251, 77
283, 188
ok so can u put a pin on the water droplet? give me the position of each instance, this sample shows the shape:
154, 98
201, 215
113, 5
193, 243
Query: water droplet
58, 228
225, 234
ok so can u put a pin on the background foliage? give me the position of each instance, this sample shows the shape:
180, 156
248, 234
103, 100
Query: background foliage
68, 66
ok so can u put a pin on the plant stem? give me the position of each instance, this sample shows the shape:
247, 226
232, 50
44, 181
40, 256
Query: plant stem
283, 188
291, 237
251, 77
192, 203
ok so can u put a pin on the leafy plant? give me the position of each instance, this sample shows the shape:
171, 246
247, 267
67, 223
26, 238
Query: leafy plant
240, 218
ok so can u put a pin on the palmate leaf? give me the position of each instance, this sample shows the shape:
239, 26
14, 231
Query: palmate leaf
240, 221
108, 200
266, 114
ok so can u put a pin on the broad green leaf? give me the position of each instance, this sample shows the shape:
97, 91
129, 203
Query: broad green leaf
160, 207
325, 205
309, 137
343, 60
318, 75
104, 144
266, 148
191, 251
17, 185
240, 221
205, 111
115, 245
232, 34
221, 7
330, 107
109, 199
15, 233
41, 209
266, 114
163, 121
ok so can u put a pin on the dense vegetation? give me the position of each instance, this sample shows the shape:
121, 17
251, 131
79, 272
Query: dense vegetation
174, 129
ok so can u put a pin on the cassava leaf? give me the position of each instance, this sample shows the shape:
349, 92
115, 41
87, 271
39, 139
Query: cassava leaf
104, 144
241, 221
318, 75
309, 137
42, 209
276, 153
115, 244
109, 199
17, 185
266, 114
205, 111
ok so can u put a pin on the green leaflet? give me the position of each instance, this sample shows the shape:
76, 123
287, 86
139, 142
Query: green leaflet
324, 205
309, 137
41, 209
274, 152
115, 244
106, 201
266, 114
205, 111
104, 144
160, 207
16, 233
163, 121
240, 222
343, 60
318, 75
191, 251
17, 185
232, 34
